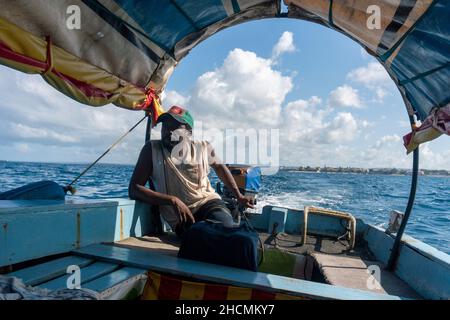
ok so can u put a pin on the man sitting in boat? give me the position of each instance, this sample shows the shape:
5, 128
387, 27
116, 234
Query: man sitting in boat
178, 168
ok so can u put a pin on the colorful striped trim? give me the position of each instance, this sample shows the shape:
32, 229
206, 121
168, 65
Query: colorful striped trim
163, 287
70, 75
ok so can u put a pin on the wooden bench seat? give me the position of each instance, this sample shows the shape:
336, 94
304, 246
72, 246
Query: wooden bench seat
352, 272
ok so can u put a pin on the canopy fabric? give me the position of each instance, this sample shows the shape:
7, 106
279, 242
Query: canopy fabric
126, 47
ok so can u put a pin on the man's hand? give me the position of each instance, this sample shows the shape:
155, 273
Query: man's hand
182, 209
246, 202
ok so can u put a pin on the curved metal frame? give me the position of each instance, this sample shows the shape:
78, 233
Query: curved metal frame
330, 213
412, 194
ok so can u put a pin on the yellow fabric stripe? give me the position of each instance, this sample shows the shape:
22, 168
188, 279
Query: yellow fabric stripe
237, 293
152, 286
19, 66
124, 94
195, 290
192, 290
282, 296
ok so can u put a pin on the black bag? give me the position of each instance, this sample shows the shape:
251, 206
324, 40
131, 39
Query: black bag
213, 243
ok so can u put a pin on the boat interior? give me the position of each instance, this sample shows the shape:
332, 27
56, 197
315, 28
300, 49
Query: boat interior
120, 242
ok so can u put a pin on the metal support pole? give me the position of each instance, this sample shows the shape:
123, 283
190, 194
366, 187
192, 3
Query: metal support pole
157, 223
412, 194
148, 129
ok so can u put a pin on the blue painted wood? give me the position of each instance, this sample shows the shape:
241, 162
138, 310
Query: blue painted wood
277, 217
24, 206
361, 228
422, 267
87, 274
110, 280
260, 221
425, 275
34, 229
37, 228
133, 219
317, 224
294, 221
222, 274
49, 270
379, 243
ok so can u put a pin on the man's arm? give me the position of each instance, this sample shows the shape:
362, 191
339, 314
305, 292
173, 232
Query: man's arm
225, 175
137, 190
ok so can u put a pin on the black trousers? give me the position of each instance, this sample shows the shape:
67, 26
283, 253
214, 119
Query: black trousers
215, 209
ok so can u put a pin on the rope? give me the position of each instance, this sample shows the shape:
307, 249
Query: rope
69, 186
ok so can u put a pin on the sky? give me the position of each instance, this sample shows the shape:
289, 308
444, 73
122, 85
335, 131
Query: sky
329, 102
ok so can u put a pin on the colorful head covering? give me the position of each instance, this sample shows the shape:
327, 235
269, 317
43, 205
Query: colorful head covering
178, 113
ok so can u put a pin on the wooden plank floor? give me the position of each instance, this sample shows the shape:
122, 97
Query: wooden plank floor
98, 276
88, 273
44, 272
111, 279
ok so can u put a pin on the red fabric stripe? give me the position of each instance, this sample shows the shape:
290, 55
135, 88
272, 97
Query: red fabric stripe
7, 53
169, 288
88, 90
215, 292
262, 295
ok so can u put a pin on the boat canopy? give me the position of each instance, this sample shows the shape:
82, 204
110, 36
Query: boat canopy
114, 51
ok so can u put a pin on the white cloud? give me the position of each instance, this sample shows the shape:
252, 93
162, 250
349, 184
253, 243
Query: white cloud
366, 124
388, 140
22, 147
404, 124
371, 75
374, 77
34, 113
345, 96
171, 97
302, 121
305, 123
285, 44
430, 159
343, 128
245, 89
27, 132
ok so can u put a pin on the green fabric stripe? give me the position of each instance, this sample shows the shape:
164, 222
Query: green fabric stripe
388, 53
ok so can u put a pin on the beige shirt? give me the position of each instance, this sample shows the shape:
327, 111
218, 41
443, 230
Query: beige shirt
185, 177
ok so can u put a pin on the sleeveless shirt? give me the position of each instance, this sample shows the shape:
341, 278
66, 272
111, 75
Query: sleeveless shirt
185, 177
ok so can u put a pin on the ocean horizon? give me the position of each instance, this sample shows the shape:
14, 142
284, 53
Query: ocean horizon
370, 197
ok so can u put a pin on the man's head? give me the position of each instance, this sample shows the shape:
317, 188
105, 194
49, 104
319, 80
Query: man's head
175, 120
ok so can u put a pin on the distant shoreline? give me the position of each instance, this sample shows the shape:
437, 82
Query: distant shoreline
384, 171
304, 169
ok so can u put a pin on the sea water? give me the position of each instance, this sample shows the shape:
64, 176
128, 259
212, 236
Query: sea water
366, 196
